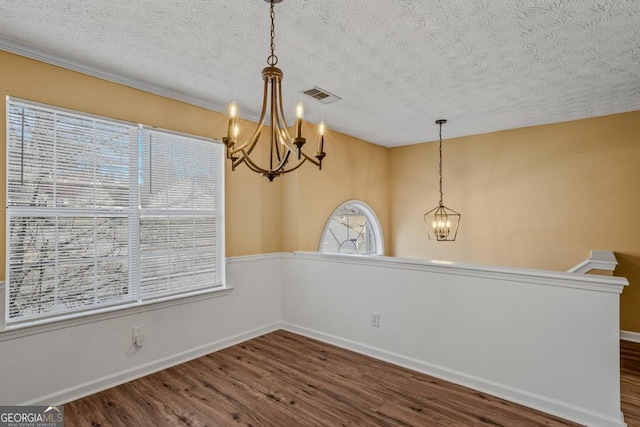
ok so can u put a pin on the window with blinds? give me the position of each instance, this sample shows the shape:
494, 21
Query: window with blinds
103, 214
181, 210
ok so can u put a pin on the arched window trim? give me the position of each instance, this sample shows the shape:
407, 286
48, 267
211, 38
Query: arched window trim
372, 218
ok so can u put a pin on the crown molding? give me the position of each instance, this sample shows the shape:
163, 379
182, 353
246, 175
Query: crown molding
42, 55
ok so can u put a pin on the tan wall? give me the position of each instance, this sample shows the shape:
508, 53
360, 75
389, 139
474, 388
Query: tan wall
538, 197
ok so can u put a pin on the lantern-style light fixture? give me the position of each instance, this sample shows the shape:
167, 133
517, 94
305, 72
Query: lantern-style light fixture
285, 151
441, 222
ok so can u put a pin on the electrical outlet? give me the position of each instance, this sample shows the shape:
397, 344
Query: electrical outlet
138, 336
375, 319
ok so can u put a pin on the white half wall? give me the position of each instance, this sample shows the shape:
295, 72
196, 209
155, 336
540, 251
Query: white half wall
546, 340
60, 362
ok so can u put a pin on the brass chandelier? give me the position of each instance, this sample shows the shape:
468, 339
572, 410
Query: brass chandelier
285, 152
441, 222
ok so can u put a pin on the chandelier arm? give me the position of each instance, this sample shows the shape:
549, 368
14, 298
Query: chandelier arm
284, 138
281, 148
277, 147
251, 142
288, 140
283, 135
278, 124
281, 121
277, 129
273, 142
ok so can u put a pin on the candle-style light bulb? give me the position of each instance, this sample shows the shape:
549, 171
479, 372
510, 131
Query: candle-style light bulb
321, 132
233, 113
299, 114
233, 110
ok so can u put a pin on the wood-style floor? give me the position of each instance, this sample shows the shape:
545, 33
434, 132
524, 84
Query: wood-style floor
282, 379
630, 382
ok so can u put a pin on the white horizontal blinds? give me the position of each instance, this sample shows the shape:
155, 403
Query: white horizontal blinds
71, 211
181, 214
60, 159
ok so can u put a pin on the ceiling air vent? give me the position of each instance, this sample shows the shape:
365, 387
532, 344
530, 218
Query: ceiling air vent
321, 95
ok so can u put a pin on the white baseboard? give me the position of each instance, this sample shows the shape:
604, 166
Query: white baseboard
630, 336
100, 384
561, 409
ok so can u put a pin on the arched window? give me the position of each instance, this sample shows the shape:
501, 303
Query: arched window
353, 228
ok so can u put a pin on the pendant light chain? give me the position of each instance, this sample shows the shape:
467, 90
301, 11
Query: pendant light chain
272, 60
441, 203
441, 222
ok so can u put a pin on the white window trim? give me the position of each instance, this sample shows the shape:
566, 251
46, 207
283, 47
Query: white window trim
369, 213
127, 308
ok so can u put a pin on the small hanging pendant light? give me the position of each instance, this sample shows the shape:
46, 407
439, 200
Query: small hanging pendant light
441, 222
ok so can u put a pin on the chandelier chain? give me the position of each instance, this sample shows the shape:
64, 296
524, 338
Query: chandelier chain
272, 60
441, 203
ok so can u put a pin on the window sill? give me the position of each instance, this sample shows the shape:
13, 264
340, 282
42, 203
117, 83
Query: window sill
19, 331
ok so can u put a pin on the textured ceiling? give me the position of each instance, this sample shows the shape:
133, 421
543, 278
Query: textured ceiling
398, 65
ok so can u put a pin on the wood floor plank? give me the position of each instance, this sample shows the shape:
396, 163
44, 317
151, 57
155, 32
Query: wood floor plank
283, 379
630, 382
